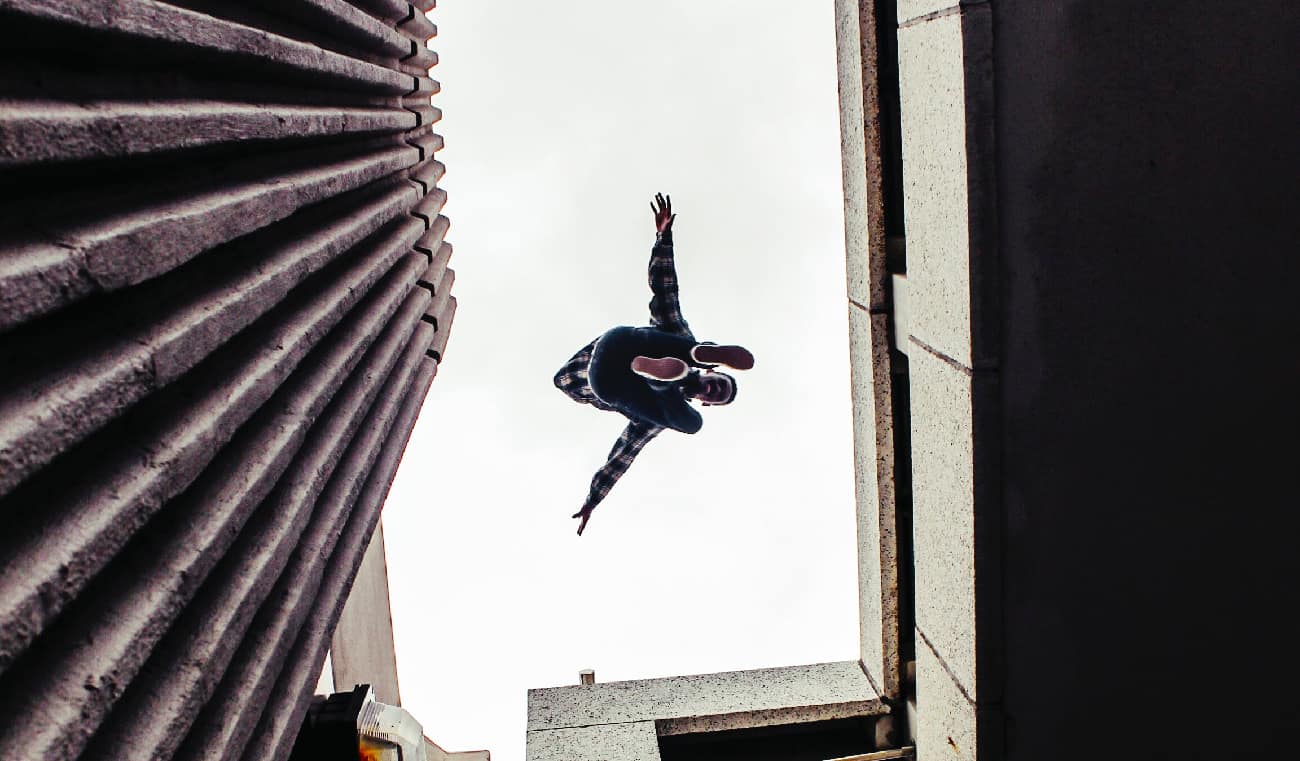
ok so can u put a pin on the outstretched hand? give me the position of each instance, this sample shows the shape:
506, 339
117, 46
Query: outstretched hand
662, 206
585, 515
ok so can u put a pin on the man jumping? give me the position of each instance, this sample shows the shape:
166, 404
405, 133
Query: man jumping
650, 374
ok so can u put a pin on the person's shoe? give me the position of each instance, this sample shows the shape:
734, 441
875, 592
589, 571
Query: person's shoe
662, 369
735, 357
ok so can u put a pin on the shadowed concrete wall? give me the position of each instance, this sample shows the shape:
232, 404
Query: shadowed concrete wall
1148, 215
223, 295
1101, 261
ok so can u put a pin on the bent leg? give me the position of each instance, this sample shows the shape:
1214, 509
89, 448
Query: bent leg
674, 411
651, 342
657, 403
614, 382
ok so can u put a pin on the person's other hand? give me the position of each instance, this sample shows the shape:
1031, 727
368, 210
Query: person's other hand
585, 515
662, 206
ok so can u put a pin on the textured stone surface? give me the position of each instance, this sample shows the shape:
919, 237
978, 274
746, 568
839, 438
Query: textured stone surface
107, 252
943, 509
156, 22
74, 386
33, 131
272, 463
873, 448
722, 722
419, 27
946, 719
901, 314
87, 511
909, 10
342, 20
860, 154
254, 671
210, 319
932, 84
632, 741
441, 297
445, 320
698, 695
147, 719
388, 10
284, 706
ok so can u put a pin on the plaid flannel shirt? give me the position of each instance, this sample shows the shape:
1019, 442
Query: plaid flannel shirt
572, 379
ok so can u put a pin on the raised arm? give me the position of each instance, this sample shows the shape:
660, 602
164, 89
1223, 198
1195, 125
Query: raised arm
665, 308
625, 450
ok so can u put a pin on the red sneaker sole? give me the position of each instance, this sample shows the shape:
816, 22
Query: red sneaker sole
735, 357
662, 369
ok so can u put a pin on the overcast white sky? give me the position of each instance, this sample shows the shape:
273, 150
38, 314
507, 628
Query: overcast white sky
730, 549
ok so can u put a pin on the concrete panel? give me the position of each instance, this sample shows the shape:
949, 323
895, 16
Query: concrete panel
773, 717
873, 437
821, 684
362, 648
946, 718
864, 226
910, 10
633, 741
1149, 220
932, 91
943, 510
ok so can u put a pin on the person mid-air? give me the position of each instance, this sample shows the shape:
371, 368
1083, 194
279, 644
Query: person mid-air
650, 374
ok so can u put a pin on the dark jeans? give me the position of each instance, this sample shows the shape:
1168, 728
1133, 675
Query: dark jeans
658, 403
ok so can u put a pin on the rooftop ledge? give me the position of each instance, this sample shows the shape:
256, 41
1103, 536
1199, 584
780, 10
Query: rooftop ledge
712, 702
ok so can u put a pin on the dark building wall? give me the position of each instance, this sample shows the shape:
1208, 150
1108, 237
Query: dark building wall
1148, 218
223, 295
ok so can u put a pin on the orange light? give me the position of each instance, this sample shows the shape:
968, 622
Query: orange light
368, 750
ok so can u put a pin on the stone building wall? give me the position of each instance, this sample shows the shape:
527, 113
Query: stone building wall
1090, 307
223, 295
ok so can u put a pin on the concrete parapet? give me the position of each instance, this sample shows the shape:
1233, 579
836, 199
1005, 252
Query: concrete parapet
627, 720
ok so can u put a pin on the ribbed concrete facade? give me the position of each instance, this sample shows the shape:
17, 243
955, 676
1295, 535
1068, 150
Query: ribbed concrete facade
223, 296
